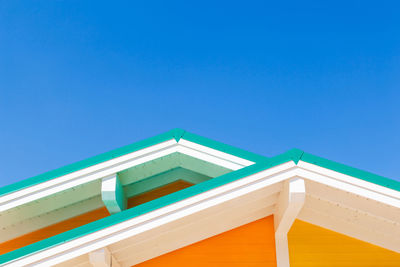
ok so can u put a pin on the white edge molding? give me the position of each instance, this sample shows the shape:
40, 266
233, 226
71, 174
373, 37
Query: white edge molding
113, 166
291, 201
289, 205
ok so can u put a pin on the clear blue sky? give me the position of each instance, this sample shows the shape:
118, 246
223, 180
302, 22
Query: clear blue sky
78, 78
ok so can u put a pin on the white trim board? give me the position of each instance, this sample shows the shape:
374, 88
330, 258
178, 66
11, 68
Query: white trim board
151, 220
291, 201
313, 212
118, 164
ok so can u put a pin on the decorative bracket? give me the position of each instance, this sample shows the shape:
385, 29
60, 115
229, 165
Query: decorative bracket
290, 203
113, 194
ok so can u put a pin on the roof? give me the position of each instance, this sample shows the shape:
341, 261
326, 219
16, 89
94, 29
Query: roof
294, 158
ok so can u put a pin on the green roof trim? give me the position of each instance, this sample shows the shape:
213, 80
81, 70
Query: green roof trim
87, 162
138, 210
262, 163
295, 154
176, 134
354, 172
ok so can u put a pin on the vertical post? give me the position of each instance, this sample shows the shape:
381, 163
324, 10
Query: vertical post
290, 203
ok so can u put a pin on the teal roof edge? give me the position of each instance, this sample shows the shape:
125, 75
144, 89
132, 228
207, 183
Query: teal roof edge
354, 172
87, 162
176, 134
294, 155
141, 209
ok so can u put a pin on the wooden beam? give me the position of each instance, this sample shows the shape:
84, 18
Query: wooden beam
113, 194
290, 202
103, 258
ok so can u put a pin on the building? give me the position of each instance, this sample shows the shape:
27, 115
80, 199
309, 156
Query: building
179, 199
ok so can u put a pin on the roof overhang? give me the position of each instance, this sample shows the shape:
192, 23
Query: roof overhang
337, 197
110, 167
366, 214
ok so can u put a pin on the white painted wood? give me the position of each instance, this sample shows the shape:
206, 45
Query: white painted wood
113, 194
175, 236
217, 153
79, 261
185, 237
355, 216
200, 166
84, 176
388, 199
97, 167
109, 167
100, 258
347, 199
339, 217
49, 203
349, 179
291, 201
103, 258
32, 224
152, 220
114, 262
238, 207
210, 158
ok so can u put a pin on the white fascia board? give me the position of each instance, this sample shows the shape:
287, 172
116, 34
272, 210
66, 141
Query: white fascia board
216, 153
349, 179
209, 158
291, 201
113, 166
173, 212
352, 185
154, 219
86, 175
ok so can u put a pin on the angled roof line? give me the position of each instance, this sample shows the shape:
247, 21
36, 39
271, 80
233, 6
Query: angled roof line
297, 155
176, 134
351, 171
86, 163
137, 211
294, 155
241, 153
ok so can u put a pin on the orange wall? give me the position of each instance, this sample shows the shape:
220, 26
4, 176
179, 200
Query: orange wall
251, 245
158, 192
53, 230
86, 218
311, 245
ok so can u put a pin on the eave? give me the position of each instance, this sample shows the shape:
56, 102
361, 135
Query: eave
343, 199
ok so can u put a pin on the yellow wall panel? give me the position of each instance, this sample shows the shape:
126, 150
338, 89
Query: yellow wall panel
310, 245
251, 245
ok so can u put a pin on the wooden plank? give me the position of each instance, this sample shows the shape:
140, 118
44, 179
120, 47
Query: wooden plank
53, 230
291, 201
